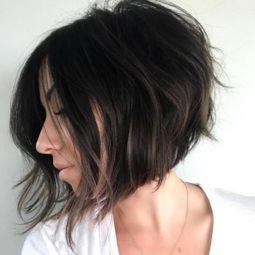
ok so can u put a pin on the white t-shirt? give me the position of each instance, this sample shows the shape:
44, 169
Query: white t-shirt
233, 230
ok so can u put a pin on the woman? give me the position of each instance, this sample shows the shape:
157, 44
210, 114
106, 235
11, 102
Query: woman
105, 108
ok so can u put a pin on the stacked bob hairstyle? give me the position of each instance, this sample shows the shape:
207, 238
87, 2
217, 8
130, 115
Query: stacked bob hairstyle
149, 70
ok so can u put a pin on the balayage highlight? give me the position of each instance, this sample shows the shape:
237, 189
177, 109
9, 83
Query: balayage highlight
136, 85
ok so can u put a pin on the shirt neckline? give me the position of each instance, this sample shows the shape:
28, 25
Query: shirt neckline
206, 188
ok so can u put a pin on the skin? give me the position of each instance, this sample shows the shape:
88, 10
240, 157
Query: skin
51, 142
152, 222
145, 212
60, 146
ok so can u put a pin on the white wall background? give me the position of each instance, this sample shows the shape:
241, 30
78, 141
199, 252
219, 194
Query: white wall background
228, 164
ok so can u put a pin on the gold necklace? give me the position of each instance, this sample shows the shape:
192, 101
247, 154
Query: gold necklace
186, 214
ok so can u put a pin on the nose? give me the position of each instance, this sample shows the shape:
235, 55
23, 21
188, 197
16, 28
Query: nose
48, 139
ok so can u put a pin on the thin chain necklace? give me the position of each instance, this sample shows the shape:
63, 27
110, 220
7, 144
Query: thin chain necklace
186, 214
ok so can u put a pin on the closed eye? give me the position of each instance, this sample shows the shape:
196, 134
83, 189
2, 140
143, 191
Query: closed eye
61, 111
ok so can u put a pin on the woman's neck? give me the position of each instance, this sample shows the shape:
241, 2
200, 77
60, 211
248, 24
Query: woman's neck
153, 211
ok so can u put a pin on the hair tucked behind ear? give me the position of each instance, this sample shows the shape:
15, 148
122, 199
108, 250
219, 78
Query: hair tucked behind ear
149, 70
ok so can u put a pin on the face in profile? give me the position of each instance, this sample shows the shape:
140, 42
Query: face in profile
64, 155
60, 146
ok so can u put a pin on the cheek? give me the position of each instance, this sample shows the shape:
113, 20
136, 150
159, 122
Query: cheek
76, 155
70, 148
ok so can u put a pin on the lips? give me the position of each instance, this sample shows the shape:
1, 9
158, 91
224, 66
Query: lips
60, 166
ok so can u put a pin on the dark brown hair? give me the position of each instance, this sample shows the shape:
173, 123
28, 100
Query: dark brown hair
149, 69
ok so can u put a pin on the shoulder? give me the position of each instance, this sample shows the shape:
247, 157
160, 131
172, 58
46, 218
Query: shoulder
227, 207
234, 213
234, 220
34, 243
43, 239
230, 200
49, 237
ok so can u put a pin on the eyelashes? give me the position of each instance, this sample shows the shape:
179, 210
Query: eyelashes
61, 111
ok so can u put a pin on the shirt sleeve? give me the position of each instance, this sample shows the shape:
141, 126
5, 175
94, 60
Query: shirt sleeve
34, 244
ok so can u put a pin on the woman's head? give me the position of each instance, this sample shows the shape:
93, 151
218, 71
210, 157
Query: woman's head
133, 86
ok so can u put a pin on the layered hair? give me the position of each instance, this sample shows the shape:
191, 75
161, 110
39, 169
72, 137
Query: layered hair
148, 68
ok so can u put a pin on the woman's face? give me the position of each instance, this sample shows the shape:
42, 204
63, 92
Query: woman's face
61, 146
63, 153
